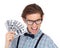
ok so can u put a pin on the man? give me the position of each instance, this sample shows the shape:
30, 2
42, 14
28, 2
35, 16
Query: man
33, 16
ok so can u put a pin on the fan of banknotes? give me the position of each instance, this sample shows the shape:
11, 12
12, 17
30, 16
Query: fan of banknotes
15, 26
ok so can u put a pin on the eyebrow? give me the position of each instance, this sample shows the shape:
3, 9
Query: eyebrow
33, 20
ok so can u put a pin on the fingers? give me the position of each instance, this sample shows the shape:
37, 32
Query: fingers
10, 36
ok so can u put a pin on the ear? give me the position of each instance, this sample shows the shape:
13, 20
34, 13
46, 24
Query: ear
24, 20
42, 18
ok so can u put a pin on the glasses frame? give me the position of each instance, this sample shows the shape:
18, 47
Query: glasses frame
37, 22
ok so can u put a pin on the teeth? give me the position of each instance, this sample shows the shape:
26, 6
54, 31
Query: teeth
34, 28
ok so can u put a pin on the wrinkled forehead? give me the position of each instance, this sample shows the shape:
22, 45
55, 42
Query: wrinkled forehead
34, 16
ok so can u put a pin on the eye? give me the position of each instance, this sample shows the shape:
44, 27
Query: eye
29, 22
38, 21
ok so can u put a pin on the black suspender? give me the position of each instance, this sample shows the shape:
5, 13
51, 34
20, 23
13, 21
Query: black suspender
39, 40
18, 42
36, 43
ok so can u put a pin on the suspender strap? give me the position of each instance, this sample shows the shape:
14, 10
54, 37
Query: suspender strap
39, 40
18, 42
36, 43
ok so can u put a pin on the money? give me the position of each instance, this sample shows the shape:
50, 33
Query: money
15, 26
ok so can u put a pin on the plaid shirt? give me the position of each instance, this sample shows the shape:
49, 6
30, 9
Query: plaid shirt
28, 42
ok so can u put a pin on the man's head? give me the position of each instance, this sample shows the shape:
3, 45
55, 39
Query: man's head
33, 16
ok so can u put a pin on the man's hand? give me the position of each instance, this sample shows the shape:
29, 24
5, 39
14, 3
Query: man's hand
9, 38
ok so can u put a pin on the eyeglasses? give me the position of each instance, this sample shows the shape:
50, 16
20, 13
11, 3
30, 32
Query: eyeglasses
31, 22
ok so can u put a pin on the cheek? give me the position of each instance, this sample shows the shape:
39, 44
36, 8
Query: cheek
39, 26
29, 26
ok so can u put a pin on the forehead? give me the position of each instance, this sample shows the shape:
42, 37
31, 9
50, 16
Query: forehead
34, 16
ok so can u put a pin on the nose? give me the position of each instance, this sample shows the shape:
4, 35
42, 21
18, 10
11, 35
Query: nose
34, 24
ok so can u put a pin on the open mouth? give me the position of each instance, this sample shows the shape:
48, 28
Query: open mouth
34, 29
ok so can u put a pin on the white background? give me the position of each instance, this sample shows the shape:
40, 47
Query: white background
12, 9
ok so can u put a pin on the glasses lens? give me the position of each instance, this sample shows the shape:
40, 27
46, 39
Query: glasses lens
38, 21
29, 22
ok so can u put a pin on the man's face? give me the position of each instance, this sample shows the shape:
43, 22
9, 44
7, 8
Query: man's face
33, 22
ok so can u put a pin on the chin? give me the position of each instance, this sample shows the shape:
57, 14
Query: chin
34, 31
